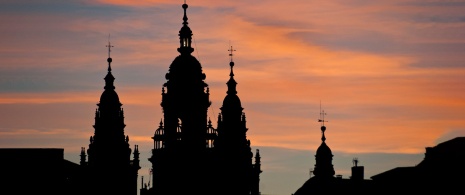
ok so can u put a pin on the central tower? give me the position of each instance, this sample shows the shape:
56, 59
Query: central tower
186, 99
190, 156
181, 156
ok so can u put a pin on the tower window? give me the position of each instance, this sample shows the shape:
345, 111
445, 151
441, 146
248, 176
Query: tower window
184, 42
179, 130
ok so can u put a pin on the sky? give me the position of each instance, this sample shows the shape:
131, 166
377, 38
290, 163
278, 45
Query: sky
389, 74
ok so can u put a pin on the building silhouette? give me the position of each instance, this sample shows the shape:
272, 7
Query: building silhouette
324, 180
190, 156
105, 168
107, 160
37, 171
441, 170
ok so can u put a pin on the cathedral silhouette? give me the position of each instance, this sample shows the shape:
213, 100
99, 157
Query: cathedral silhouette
191, 156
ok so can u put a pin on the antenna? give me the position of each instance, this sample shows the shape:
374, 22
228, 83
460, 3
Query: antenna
355, 161
322, 116
109, 46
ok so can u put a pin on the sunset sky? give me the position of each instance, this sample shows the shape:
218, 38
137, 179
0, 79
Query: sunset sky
389, 74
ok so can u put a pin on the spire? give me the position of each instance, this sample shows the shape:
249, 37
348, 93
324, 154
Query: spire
109, 96
231, 83
109, 60
257, 157
209, 123
185, 35
324, 156
136, 157
83, 156
322, 121
109, 79
184, 6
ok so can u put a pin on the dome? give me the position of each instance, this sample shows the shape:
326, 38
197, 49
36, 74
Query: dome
109, 97
185, 67
185, 31
324, 150
231, 101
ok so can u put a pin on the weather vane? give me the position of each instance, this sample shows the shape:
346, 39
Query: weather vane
322, 116
109, 46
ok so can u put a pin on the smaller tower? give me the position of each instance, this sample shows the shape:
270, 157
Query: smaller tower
83, 157
256, 174
109, 152
324, 157
136, 161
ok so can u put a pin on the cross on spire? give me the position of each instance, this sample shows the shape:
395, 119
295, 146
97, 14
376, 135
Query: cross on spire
231, 51
109, 46
231, 55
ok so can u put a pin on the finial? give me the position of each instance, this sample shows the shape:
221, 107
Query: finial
231, 83
322, 121
231, 51
185, 35
185, 6
109, 60
109, 46
322, 117
231, 56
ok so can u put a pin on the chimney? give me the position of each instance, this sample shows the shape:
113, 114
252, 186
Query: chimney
357, 171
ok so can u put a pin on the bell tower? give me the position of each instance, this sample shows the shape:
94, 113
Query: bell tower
232, 146
324, 157
186, 99
182, 154
190, 156
109, 150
